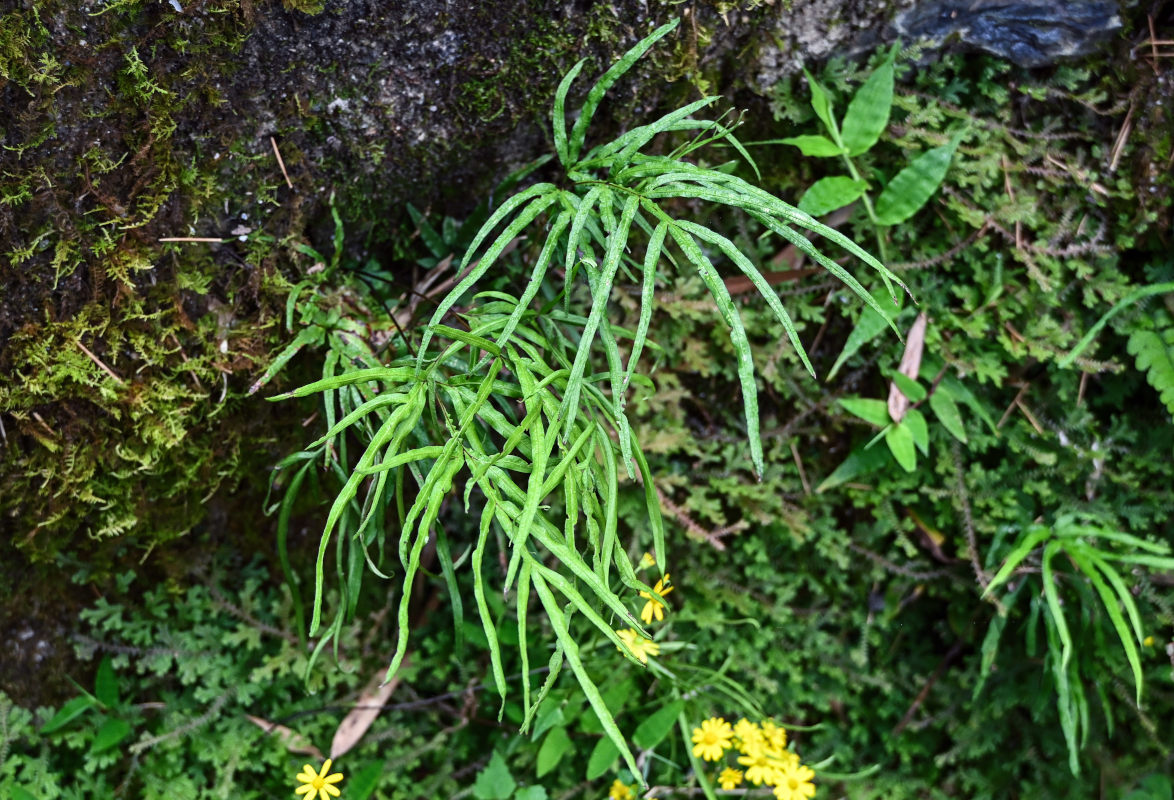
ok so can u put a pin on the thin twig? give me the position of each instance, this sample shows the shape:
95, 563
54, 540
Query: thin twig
211, 239
280, 162
98, 361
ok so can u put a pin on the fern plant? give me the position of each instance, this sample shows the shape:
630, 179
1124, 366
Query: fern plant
509, 404
1079, 559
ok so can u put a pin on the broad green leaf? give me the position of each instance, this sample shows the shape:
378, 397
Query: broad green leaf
603, 755
899, 438
871, 324
828, 194
21, 793
531, 793
817, 146
860, 461
495, 781
106, 684
822, 105
962, 394
112, 732
917, 427
868, 112
550, 718
946, 410
909, 387
68, 713
868, 409
658, 725
913, 186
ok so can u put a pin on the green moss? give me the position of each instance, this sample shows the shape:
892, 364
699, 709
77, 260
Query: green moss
126, 357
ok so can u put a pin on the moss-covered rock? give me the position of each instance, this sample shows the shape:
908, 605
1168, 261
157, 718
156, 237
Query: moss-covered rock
130, 122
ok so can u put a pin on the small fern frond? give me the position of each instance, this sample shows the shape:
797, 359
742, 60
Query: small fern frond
1153, 351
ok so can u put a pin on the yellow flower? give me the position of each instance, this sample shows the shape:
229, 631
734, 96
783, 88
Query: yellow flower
641, 648
712, 739
748, 735
318, 784
730, 778
619, 791
795, 784
646, 561
775, 737
655, 608
762, 767
1148, 641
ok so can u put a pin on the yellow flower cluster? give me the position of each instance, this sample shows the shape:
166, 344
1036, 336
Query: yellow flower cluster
762, 751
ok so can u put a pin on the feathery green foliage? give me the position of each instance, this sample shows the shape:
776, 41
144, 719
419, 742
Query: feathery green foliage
511, 398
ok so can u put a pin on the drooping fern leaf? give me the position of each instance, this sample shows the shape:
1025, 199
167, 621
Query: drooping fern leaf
1154, 354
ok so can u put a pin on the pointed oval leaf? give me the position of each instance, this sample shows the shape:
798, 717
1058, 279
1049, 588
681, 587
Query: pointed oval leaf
946, 410
112, 732
868, 113
914, 185
916, 423
106, 684
654, 728
602, 757
828, 194
822, 105
868, 409
817, 146
899, 438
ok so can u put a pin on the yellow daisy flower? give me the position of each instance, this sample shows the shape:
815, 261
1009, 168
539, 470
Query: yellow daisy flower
619, 791
730, 778
796, 784
762, 768
748, 735
712, 739
655, 608
776, 737
646, 561
318, 785
641, 648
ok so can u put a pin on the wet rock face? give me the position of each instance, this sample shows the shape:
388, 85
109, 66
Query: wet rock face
1030, 33
811, 31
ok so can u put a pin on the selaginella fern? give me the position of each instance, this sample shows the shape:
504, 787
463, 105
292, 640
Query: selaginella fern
511, 406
